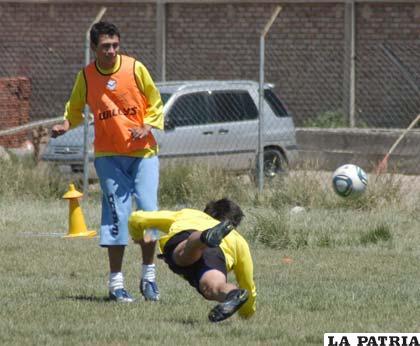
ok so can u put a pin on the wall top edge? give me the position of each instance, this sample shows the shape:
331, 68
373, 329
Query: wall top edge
104, 2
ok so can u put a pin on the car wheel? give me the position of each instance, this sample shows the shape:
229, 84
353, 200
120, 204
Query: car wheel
274, 163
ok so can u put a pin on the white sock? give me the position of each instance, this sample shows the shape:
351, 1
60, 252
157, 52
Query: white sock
148, 272
116, 281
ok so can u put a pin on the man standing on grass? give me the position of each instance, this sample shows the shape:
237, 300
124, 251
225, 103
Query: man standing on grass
203, 247
126, 105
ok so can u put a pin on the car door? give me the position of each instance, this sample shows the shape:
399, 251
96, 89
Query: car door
187, 135
234, 115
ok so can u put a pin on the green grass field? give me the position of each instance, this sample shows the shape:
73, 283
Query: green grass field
338, 267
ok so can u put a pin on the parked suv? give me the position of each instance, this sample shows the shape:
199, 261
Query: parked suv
214, 122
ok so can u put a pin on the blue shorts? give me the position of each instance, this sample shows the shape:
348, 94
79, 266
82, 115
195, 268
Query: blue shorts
122, 177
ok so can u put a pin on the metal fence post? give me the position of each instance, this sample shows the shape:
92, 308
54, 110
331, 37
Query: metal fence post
161, 40
261, 100
349, 63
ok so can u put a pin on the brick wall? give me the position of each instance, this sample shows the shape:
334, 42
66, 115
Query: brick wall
224, 40
14, 98
46, 42
304, 50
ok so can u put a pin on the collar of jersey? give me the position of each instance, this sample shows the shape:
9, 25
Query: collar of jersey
113, 69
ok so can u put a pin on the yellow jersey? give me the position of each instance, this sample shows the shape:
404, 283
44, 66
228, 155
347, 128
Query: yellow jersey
234, 246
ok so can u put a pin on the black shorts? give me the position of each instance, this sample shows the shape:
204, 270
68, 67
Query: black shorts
213, 258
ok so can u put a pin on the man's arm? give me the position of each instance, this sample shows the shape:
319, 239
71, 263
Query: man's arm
139, 221
73, 114
154, 110
244, 273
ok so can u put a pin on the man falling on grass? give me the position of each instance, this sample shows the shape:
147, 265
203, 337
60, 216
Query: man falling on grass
203, 247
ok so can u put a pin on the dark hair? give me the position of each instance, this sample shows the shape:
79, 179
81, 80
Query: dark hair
102, 28
225, 209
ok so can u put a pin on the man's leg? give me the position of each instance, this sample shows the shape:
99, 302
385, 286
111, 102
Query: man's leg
116, 280
212, 283
116, 207
213, 286
190, 250
115, 256
146, 181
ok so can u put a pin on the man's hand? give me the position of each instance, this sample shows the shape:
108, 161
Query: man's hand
60, 129
140, 132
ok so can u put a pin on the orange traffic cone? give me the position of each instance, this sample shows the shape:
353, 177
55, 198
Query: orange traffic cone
77, 226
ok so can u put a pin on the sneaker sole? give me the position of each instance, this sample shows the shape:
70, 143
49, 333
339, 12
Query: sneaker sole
124, 300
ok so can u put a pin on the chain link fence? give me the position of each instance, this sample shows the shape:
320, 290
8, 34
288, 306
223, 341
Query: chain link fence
388, 86
306, 60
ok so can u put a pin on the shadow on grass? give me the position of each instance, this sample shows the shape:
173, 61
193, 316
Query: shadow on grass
89, 298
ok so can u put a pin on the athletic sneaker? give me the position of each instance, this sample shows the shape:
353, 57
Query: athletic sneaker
149, 290
234, 300
212, 237
121, 295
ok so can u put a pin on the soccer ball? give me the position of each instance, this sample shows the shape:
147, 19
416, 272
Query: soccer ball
349, 181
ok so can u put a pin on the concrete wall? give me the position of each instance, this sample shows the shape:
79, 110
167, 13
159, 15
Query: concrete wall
327, 149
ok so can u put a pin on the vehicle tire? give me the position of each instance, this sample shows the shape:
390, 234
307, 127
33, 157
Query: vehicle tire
275, 163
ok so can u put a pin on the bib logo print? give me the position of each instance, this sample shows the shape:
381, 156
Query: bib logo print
111, 85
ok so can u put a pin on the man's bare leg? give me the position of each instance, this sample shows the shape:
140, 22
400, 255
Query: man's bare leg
190, 250
116, 279
213, 286
148, 286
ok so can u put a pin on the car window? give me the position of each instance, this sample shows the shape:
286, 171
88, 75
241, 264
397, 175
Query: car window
190, 109
231, 105
165, 97
275, 103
